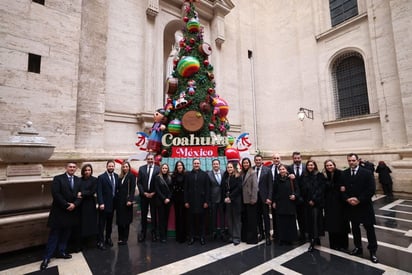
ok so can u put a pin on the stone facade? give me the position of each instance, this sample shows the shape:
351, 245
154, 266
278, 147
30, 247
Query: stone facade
103, 70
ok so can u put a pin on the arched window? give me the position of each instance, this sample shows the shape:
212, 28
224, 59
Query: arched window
350, 89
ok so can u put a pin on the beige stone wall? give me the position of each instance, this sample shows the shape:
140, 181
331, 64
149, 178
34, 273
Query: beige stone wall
103, 73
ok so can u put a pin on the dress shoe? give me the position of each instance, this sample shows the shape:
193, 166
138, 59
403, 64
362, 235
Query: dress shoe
317, 241
268, 242
101, 246
163, 240
63, 256
191, 241
141, 237
373, 258
236, 242
44, 264
202, 241
356, 251
154, 237
121, 243
310, 248
109, 242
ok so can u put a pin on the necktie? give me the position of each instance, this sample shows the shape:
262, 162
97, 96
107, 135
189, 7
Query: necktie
274, 171
297, 171
258, 173
149, 172
218, 179
113, 184
71, 182
353, 172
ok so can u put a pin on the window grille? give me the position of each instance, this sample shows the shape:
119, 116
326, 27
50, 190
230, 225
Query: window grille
350, 87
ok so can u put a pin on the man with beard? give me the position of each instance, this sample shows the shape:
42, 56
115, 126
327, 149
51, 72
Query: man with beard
106, 191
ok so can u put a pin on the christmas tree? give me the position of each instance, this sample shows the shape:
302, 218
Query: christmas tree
193, 107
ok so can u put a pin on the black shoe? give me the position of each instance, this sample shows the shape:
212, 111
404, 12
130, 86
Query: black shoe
121, 243
191, 241
63, 256
268, 242
142, 237
373, 258
44, 264
317, 241
101, 246
202, 241
154, 237
356, 251
163, 240
109, 242
261, 237
310, 248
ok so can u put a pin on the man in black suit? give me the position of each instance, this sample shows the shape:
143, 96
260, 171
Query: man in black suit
297, 169
106, 192
216, 207
274, 172
197, 199
264, 198
358, 189
63, 213
146, 185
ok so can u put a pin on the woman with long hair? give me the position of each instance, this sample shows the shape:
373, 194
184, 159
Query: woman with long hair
124, 202
312, 192
336, 222
232, 194
249, 198
163, 187
178, 183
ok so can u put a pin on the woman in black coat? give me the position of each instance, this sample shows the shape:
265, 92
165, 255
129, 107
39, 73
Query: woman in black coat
336, 222
178, 184
88, 209
163, 187
232, 194
124, 202
385, 179
312, 192
285, 197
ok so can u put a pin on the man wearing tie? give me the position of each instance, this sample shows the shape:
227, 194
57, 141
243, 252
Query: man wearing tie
145, 183
298, 169
264, 199
357, 190
218, 217
63, 215
106, 192
274, 171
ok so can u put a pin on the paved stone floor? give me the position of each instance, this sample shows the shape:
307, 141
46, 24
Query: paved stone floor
393, 229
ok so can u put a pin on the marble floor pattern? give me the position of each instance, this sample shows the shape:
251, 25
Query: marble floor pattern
393, 229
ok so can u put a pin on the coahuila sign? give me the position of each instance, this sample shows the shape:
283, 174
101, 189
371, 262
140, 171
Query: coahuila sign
168, 140
194, 147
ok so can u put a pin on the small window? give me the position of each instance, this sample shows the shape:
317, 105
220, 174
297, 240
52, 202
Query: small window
341, 10
34, 63
41, 2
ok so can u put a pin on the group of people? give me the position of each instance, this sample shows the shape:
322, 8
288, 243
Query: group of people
237, 203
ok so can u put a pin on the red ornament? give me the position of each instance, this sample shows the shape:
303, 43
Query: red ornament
232, 154
186, 19
165, 153
206, 62
158, 159
205, 107
210, 91
211, 126
192, 40
188, 48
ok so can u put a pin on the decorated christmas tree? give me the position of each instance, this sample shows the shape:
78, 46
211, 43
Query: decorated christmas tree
194, 111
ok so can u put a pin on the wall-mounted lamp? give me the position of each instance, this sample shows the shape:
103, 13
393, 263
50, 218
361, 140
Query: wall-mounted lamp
303, 112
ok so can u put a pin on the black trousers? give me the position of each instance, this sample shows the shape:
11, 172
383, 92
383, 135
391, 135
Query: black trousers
123, 231
197, 224
145, 203
370, 234
105, 223
163, 211
263, 219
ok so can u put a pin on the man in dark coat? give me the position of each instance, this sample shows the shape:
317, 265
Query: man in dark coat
106, 191
197, 198
216, 206
265, 184
63, 214
146, 185
274, 173
358, 189
297, 169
